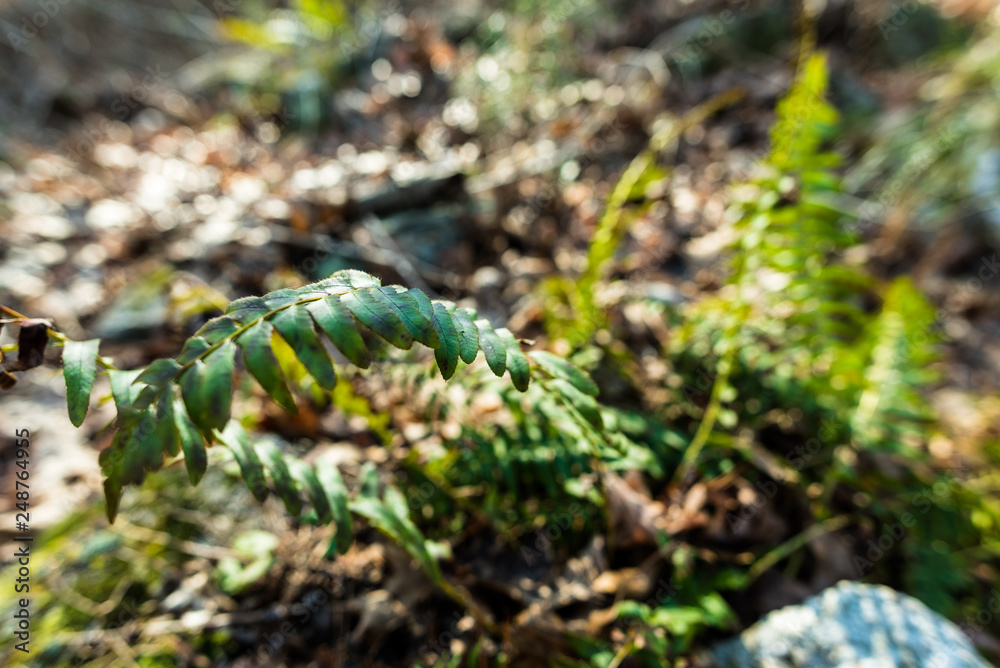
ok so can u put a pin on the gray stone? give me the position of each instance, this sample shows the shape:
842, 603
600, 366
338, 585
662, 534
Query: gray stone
851, 625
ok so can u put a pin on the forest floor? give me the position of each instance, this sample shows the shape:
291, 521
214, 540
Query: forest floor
472, 157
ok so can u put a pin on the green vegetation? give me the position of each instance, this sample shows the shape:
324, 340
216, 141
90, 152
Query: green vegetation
772, 431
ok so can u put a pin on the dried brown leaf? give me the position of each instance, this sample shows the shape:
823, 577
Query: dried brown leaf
31, 343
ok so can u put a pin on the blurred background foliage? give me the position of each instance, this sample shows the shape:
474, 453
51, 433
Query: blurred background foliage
764, 228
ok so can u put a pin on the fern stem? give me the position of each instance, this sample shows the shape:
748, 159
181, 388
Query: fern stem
12, 313
690, 457
794, 543
624, 652
805, 26
53, 334
243, 327
610, 230
155, 537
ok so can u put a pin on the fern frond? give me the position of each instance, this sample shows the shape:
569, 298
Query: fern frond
788, 289
541, 451
804, 120
790, 304
890, 409
791, 235
267, 469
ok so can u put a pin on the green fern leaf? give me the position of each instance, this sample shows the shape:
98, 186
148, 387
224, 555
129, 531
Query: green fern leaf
255, 345
584, 403
296, 327
398, 527
447, 352
236, 439
901, 339
557, 367
375, 312
123, 391
336, 495
153, 421
417, 320
112, 490
147, 395
193, 349
191, 442
368, 477
493, 347
412, 539
468, 333
207, 388
337, 323
159, 372
132, 447
144, 450
247, 309
305, 475
351, 279
281, 298
166, 423
80, 371
217, 329
517, 363
282, 478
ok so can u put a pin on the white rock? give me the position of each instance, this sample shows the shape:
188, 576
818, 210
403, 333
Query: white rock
851, 625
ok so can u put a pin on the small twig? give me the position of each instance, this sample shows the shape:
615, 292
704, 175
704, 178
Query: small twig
192, 621
77, 600
53, 333
12, 313
167, 626
145, 534
123, 651
461, 595
690, 457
